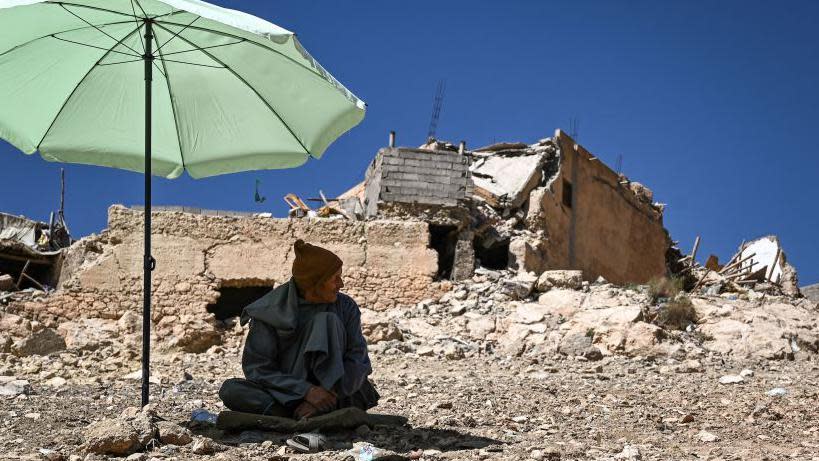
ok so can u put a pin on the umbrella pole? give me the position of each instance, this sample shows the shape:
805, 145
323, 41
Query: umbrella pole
148, 263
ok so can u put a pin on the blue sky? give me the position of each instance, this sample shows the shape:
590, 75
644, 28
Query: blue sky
713, 105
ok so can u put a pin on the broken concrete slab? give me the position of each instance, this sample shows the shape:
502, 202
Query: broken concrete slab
500, 146
504, 181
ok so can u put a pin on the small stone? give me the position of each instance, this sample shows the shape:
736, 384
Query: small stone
629, 452
203, 446
705, 436
689, 418
777, 392
520, 419
690, 366
537, 455
458, 309
173, 433
34, 416
731, 379
453, 352
425, 351
746, 373
56, 382
14, 387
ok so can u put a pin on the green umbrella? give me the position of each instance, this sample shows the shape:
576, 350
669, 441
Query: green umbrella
161, 87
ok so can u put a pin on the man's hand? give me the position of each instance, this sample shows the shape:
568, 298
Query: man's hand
305, 410
320, 398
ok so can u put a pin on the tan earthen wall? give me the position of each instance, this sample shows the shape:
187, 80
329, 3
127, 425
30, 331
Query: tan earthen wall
607, 231
386, 263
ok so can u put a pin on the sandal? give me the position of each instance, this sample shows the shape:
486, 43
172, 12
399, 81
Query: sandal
310, 442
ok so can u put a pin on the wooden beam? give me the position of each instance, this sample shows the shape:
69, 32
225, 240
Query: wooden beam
694, 251
775, 262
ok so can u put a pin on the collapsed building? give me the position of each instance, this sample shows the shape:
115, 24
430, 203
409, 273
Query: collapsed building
30, 251
549, 205
422, 219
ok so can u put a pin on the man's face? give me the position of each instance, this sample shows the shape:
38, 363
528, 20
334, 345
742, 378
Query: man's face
327, 291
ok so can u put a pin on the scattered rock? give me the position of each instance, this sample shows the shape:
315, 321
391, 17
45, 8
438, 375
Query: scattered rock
777, 392
88, 334
115, 437
203, 446
173, 433
731, 379
10, 386
377, 327
56, 382
630, 452
43, 342
707, 437
570, 279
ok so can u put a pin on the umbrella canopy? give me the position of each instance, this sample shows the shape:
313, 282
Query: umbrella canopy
161, 87
231, 92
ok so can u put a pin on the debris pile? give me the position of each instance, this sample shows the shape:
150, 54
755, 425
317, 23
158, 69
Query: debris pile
760, 265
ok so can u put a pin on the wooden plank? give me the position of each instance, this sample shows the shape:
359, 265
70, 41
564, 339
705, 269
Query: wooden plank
694, 251
774, 263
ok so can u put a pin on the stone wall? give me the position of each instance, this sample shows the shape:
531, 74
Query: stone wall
386, 264
595, 222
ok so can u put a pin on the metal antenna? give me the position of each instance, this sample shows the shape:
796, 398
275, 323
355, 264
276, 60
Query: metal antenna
436, 108
619, 163
574, 128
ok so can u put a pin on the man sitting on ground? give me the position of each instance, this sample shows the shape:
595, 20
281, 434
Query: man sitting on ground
305, 354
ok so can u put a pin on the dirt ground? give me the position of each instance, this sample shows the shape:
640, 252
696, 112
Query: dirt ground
485, 406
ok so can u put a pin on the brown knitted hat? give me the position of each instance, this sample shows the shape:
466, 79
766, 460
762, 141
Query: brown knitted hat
313, 264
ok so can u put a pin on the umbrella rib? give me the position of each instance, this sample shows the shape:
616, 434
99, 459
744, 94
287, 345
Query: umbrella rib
216, 32
249, 86
193, 64
98, 29
179, 32
65, 103
97, 47
121, 62
173, 109
89, 7
63, 32
144, 14
172, 13
136, 21
204, 48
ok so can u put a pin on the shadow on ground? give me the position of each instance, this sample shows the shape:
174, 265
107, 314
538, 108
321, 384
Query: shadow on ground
401, 439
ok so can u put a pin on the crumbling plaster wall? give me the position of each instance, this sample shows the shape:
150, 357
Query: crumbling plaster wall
386, 263
606, 231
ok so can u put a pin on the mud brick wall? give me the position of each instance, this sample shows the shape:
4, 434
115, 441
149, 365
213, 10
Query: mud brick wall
386, 264
595, 223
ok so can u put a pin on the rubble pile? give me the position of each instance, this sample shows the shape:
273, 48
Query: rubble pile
500, 313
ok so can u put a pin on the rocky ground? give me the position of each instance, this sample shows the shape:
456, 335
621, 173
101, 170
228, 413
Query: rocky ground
566, 371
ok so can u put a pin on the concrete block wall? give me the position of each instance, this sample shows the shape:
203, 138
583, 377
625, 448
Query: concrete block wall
400, 174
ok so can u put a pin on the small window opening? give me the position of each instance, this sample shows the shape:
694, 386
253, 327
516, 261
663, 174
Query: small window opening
492, 255
443, 240
233, 299
567, 194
